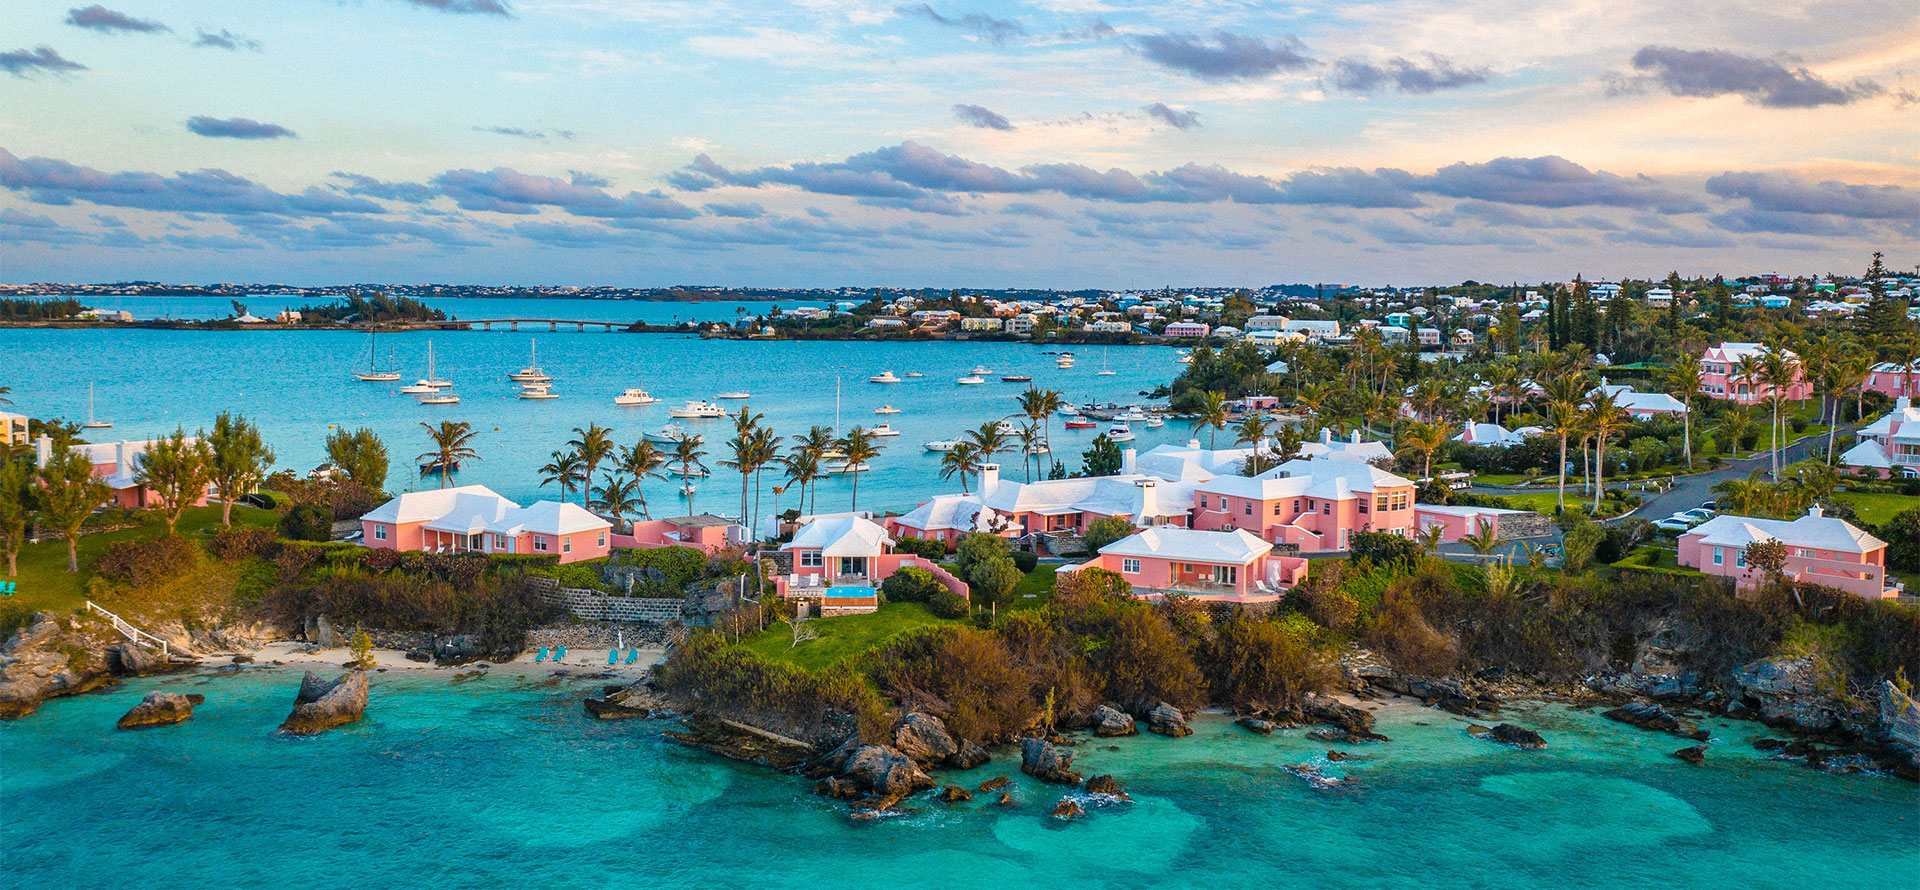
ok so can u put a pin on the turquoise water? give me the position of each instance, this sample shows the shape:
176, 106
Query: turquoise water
503, 783
650, 311
295, 384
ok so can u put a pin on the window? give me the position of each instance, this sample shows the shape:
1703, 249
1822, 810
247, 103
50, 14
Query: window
1326, 508
500, 542
603, 538
1296, 505
1249, 508
1719, 557
810, 559
539, 543
1130, 567
1740, 558
1400, 500
379, 532
1276, 508
1225, 574
1363, 505
566, 545
1203, 502
1380, 502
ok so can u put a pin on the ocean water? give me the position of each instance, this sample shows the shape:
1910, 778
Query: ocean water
506, 783
650, 311
297, 386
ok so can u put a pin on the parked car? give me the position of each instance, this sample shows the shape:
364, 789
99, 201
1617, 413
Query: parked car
1699, 514
1710, 505
1676, 523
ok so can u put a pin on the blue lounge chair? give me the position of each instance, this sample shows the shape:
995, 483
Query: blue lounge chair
559, 652
542, 656
633, 655
613, 656
6, 588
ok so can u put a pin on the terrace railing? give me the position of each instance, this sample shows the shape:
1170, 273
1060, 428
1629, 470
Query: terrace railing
134, 634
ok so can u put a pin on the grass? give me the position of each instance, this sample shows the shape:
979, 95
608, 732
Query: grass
1655, 559
1038, 584
45, 584
1876, 509
842, 637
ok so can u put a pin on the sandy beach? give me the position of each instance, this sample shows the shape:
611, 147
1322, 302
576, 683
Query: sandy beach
291, 653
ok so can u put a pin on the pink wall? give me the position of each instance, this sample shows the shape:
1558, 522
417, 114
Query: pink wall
414, 536
1860, 574
1892, 383
1160, 573
666, 533
1726, 385
1317, 524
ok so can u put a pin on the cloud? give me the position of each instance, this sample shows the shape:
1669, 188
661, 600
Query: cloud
1028, 208
1786, 223
55, 182
12, 217
743, 210
481, 7
410, 192
976, 116
592, 180
1229, 57
1706, 73
108, 220
226, 39
1781, 192
25, 63
237, 128
1672, 237
1179, 120
994, 31
512, 131
1361, 76
102, 19
1396, 233
506, 190
1552, 181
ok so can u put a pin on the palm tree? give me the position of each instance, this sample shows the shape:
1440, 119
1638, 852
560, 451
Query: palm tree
764, 448
964, 460
988, 440
1735, 423
618, 497
1484, 540
1779, 371
1746, 369
1749, 496
642, 462
452, 443
1604, 419
687, 454
1038, 405
803, 468
1251, 430
1683, 383
1423, 439
857, 447
1564, 420
594, 444
6, 402
1430, 398
1031, 448
1212, 414
741, 460
566, 470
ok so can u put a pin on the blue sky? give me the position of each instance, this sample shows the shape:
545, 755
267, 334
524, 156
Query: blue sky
1067, 143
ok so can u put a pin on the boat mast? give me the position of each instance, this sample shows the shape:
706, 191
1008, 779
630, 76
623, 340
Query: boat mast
836, 406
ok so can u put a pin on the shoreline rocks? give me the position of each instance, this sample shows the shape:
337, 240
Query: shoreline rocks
875, 777
1109, 721
1041, 760
1067, 809
322, 705
1106, 786
1167, 720
1517, 736
1257, 725
41, 662
1695, 755
1649, 716
160, 709
923, 737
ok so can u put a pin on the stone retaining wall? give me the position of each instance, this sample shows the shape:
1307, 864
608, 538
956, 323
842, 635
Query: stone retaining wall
1528, 525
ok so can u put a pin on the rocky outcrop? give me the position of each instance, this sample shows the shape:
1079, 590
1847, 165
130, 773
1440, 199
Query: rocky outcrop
1345, 737
995, 784
1255, 724
1067, 809
953, 794
1350, 723
1168, 720
1006, 801
876, 777
1696, 754
924, 738
1109, 721
1041, 760
1313, 775
1517, 736
970, 755
43, 661
129, 660
751, 744
1786, 691
1650, 716
160, 709
634, 701
323, 705
1106, 786
1336, 756
1446, 693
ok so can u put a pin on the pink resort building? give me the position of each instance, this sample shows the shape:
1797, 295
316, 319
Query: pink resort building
706, 532
1315, 505
1720, 374
1064, 506
1889, 446
1889, 379
1641, 405
1820, 550
1211, 566
837, 561
472, 519
118, 465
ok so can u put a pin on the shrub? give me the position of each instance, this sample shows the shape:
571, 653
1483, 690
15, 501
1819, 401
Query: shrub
307, 522
1148, 663
1798, 424
140, 563
681, 565
911, 584
1025, 560
1383, 547
923, 547
947, 604
1102, 532
570, 575
992, 582
980, 547
1259, 666
235, 543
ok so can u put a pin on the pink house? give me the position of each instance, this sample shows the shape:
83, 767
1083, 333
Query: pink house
839, 560
1314, 504
1820, 550
1016, 509
472, 519
1889, 446
1213, 566
1720, 374
1458, 522
1890, 379
118, 465
709, 533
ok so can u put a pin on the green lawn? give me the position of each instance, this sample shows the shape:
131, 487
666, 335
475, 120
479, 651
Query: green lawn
841, 637
1875, 509
1038, 584
44, 582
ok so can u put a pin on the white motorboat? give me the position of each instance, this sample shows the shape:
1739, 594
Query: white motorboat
531, 373
92, 422
373, 374
697, 410
882, 430
971, 380
981, 370
848, 468
1065, 361
1155, 421
1133, 414
1067, 411
672, 434
692, 471
439, 398
429, 383
633, 397
915, 374
537, 391
734, 394
886, 409
941, 446
1120, 432
1186, 358
884, 377
1007, 428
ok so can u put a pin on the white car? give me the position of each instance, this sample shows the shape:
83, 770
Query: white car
1676, 523
1697, 514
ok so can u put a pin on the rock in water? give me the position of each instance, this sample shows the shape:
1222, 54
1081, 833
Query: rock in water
996, 783
953, 794
1109, 721
1648, 715
1041, 760
881, 776
321, 705
969, 756
129, 660
1106, 785
1325, 734
1519, 737
923, 737
1067, 809
1695, 754
35, 665
1006, 801
160, 709
1338, 756
1255, 724
1168, 720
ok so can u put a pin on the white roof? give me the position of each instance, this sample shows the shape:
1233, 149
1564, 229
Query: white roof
420, 506
841, 534
1122, 495
1190, 462
1333, 479
1810, 531
1903, 420
1732, 352
1867, 454
1237, 547
1641, 402
1494, 434
547, 518
1468, 512
476, 509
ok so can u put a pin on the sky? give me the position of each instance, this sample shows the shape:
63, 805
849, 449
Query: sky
1062, 143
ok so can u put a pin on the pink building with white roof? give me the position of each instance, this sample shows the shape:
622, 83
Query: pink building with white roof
1889, 446
839, 560
1720, 374
1018, 509
1213, 566
473, 519
1820, 550
1890, 379
118, 465
1314, 504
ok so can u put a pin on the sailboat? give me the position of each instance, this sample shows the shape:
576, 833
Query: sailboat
91, 423
1104, 370
428, 384
531, 373
373, 374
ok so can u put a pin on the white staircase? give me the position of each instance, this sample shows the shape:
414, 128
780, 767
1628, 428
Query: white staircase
140, 637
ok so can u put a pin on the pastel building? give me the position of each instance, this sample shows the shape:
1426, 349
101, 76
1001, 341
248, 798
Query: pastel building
706, 532
1641, 405
1069, 506
836, 562
1315, 505
1493, 435
118, 465
1820, 550
1720, 374
1889, 446
1890, 379
473, 519
13, 429
1211, 566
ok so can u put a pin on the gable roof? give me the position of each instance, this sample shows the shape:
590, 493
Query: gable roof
841, 534
1812, 530
420, 506
1237, 547
1333, 479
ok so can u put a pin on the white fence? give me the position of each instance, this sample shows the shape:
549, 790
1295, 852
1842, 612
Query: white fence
135, 634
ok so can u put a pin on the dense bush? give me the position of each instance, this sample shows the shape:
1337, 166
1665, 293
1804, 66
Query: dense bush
922, 547
148, 561
986, 697
1260, 666
1902, 534
572, 574
681, 565
979, 547
1104, 531
238, 542
822, 707
1025, 560
1382, 547
947, 604
910, 584
307, 522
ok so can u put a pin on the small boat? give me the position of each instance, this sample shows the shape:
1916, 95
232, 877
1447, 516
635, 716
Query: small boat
436, 466
633, 397
441, 398
93, 423
734, 394
886, 409
941, 446
1120, 432
694, 471
428, 383
915, 374
1065, 361
1186, 358
848, 468
882, 430
373, 374
971, 380
699, 410
1016, 378
672, 434
1104, 370
537, 391
1007, 428
686, 491
981, 370
531, 373
1067, 411
1081, 424
884, 377
1133, 414
1155, 421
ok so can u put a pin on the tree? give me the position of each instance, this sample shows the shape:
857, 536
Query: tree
1769, 556
856, 448
68, 495
452, 443
802, 467
361, 645
1565, 421
240, 461
1147, 663
1104, 531
593, 444
1683, 383
1031, 447
361, 455
642, 461
993, 582
618, 497
987, 441
1102, 458
1604, 419
815, 444
1779, 371
963, 460
177, 469
16, 508
1484, 540
978, 547
1212, 414
687, 453
1038, 406
1423, 439
565, 471
802, 631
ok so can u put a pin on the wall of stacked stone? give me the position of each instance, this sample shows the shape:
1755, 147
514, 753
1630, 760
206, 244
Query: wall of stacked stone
1525, 525
587, 637
592, 605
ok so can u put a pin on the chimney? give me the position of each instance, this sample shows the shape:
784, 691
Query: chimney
1193, 444
1354, 437
1902, 403
989, 478
120, 457
1127, 461
43, 449
1149, 499
1815, 512
1326, 435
